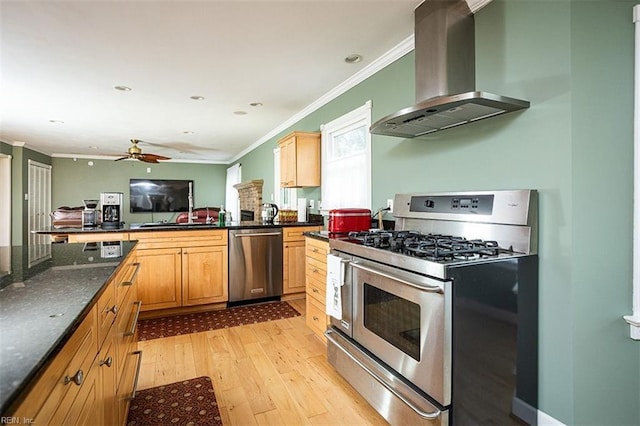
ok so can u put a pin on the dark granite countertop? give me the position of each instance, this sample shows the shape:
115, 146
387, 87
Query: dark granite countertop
318, 235
41, 306
160, 226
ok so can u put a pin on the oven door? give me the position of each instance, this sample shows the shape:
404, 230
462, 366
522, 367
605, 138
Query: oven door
404, 319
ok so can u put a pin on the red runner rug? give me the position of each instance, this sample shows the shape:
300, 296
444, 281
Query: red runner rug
155, 328
190, 402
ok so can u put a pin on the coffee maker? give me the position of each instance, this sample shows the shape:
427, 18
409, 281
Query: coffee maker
90, 215
111, 209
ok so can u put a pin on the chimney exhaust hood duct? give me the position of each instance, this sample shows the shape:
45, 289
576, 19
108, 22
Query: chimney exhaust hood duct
445, 75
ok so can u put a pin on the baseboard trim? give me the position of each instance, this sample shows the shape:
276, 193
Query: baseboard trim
546, 420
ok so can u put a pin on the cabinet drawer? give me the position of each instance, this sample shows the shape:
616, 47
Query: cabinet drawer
125, 279
316, 270
297, 233
107, 311
316, 316
317, 249
171, 239
57, 388
316, 289
126, 330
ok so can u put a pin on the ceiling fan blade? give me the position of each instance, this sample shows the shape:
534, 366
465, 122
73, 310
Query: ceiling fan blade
152, 158
148, 159
121, 158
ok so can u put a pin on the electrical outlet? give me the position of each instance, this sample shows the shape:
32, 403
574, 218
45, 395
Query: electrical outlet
312, 204
390, 204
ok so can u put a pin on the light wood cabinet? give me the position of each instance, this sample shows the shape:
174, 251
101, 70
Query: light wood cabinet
300, 159
293, 257
204, 275
182, 268
79, 387
160, 281
316, 277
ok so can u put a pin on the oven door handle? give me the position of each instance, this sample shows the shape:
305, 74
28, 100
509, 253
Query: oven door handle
429, 288
429, 416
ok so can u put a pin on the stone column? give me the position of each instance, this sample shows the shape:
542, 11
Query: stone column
250, 194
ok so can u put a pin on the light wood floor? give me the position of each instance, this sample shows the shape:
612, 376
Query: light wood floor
273, 373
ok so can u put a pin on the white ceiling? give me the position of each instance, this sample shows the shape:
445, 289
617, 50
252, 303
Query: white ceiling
62, 59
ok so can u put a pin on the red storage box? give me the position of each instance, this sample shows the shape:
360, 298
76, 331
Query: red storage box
342, 221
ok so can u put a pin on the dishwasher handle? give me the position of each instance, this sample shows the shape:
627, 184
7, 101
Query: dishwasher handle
258, 234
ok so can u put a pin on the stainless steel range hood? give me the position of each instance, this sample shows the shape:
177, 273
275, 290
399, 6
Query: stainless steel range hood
445, 75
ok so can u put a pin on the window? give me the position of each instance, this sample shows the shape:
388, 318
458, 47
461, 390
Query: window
346, 160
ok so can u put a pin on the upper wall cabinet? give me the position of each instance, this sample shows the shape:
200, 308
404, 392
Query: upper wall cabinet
299, 160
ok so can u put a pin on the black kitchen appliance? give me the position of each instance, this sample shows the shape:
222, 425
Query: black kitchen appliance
438, 319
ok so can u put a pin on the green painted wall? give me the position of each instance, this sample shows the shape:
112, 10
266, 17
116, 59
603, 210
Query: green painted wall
573, 60
75, 180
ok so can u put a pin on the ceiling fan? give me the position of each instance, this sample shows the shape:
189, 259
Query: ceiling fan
135, 152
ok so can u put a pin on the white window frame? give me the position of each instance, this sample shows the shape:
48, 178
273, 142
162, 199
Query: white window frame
634, 319
232, 198
360, 116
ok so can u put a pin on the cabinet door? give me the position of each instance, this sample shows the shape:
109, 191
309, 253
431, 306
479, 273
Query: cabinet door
288, 162
159, 278
294, 267
204, 275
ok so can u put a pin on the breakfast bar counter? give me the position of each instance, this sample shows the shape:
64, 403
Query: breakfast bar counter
42, 304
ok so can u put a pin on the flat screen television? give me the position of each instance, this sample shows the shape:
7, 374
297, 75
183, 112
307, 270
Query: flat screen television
159, 195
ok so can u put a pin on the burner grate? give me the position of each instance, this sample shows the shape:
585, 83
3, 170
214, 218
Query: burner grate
428, 246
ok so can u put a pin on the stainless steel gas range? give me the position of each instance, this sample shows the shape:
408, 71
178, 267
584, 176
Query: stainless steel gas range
436, 322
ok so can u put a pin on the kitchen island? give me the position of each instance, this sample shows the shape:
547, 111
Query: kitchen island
185, 266
43, 305
135, 230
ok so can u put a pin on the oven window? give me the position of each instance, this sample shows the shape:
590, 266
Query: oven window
394, 319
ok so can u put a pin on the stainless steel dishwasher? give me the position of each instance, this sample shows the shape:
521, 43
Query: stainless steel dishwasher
255, 264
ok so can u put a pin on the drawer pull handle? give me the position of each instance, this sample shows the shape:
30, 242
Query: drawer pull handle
113, 310
315, 250
132, 330
133, 277
135, 381
314, 270
315, 318
315, 290
108, 362
77, 378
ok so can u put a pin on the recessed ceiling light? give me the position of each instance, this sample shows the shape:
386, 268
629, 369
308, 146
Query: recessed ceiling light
189, 132
353, 59
122, 88
255, 104
240, 112
197, 98
56, 121
93, 147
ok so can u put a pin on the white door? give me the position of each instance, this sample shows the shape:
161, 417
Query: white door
39, 206
5, 214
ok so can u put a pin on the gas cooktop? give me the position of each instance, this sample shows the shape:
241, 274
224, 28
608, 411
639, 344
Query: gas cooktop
437, 231
437, 247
